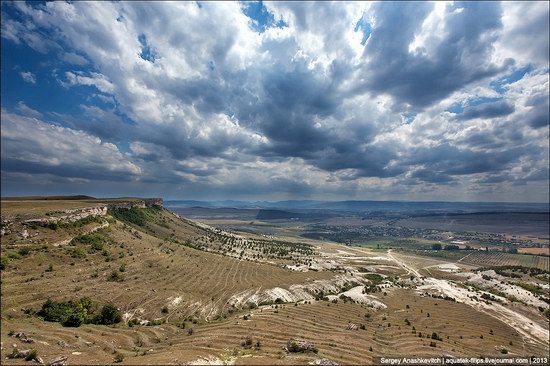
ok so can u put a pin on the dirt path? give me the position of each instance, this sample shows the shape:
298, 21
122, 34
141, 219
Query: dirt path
466, 256
94, 229
403, 265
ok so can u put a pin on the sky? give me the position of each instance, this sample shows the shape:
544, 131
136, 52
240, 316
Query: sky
276, 100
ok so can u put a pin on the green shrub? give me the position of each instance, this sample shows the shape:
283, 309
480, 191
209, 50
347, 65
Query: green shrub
24, 251
119, 357
75, 313
109, 315
115, 276
134, 215
97, 237
69, 313
77, 252
32, 355
4, 263
96, 246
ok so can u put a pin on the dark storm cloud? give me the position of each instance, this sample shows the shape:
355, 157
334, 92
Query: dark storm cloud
487, 110
538, 114
430, 176
450, 160
66, 170
460, 58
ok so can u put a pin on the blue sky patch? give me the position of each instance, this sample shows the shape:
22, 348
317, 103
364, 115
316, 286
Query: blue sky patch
459, 107
146, 52
518, 74
409, 117
365, 27
261, 17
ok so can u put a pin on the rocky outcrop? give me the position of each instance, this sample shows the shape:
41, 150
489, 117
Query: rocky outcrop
299, 345
7, 227
59, 361
70, 216
324, 362
138, 203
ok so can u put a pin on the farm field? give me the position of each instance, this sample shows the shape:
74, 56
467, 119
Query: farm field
535, 224
481, 258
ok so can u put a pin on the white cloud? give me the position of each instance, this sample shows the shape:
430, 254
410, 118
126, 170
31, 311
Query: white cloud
28, 76
95, 79
27, 111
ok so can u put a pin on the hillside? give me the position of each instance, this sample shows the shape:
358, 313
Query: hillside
191, 293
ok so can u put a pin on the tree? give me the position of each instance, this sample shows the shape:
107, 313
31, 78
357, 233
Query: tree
436, 246
452, 247
109, 315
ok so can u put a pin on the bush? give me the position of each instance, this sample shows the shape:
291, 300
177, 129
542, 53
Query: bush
115, 276
75, 313
109, 315
69, 313
77, 252
134, 215
24, 251
4, 263
32, 355
96, 246
247, 343
119, 357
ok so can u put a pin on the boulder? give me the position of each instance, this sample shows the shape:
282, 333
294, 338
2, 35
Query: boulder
23, 337
299, 345
323, 362
59, 361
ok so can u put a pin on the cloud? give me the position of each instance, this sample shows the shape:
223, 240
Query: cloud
487, 110
27, 111
459, 55
28, 76
33, 146
74, 58
437, 95
94, 79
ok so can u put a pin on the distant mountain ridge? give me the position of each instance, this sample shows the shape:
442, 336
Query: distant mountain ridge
368, 206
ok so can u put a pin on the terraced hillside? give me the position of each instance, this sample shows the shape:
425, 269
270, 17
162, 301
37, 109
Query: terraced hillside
186, 294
